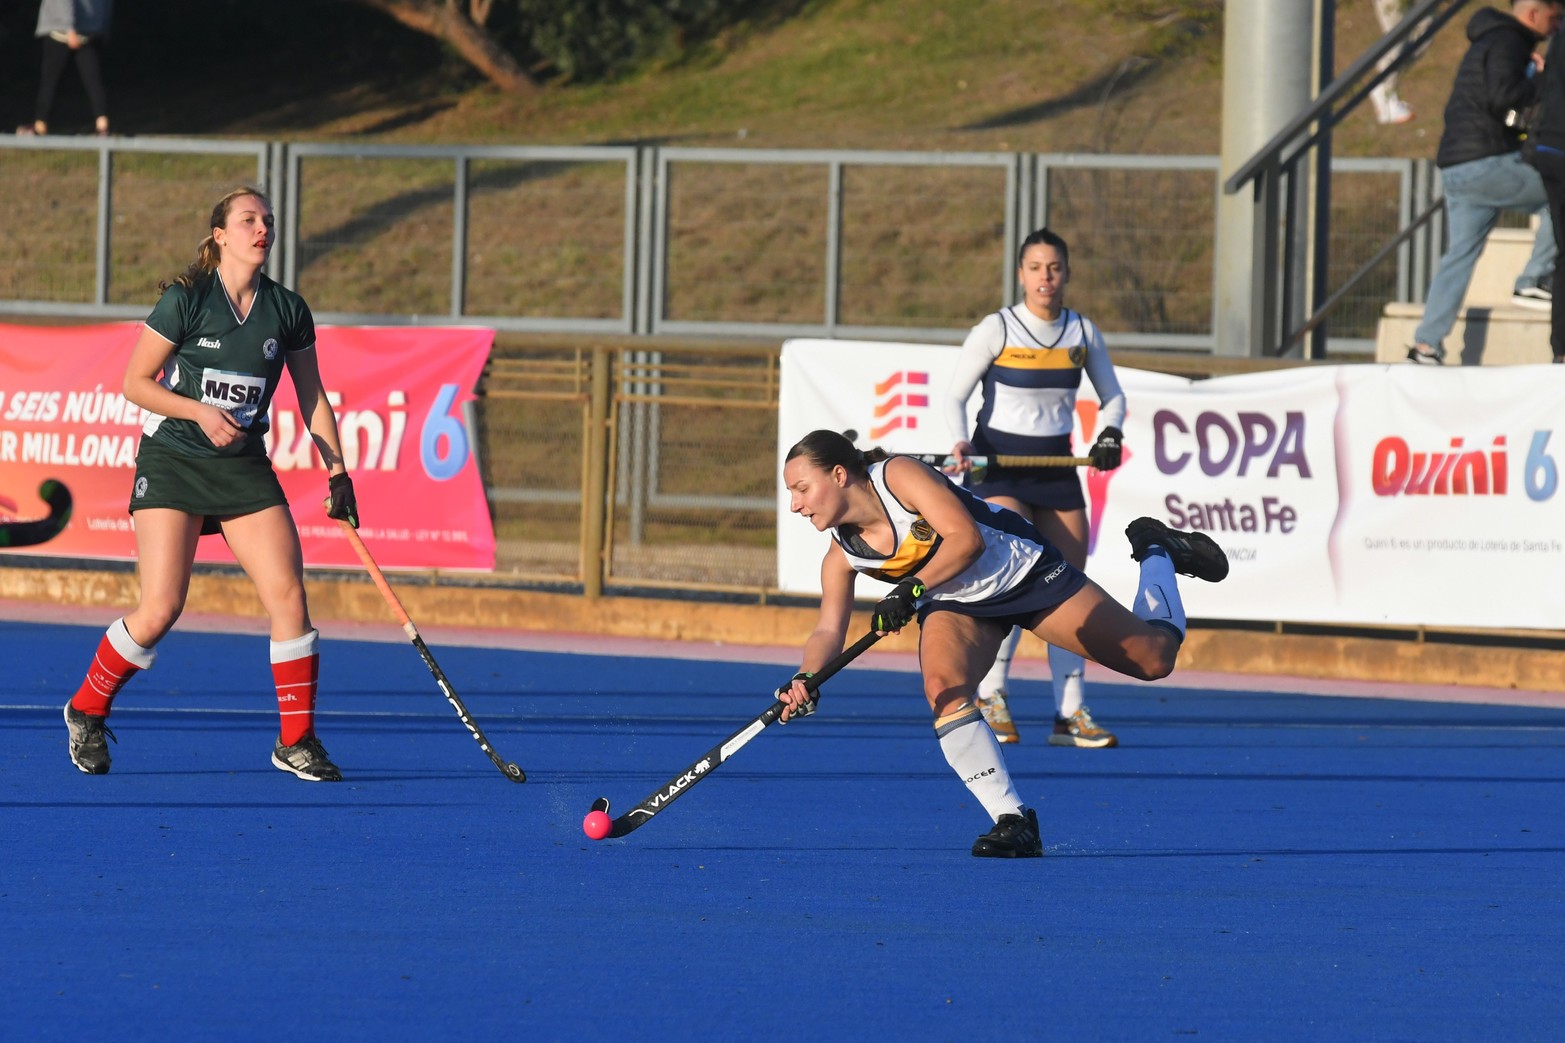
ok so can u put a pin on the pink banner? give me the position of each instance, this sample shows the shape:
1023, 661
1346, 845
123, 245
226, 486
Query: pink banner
401, 397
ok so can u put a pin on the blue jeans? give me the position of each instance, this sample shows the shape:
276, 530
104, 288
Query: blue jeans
1475, 195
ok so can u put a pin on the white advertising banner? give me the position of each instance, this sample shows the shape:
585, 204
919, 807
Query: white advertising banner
1342, 494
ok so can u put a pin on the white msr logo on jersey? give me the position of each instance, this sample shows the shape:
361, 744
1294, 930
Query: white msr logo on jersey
208, 342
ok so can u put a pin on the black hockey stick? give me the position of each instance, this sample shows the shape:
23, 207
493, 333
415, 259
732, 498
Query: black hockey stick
978, 466
679, 784
511, 769
946, 460
40, 530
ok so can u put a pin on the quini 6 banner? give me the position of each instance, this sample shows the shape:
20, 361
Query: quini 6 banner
1364, 494
400, 395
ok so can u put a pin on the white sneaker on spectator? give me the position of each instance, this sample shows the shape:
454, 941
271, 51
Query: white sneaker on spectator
1390, 109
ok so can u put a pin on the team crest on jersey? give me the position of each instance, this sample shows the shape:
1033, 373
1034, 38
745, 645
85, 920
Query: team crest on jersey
921, 531
269, 349
1079, 355
141, 488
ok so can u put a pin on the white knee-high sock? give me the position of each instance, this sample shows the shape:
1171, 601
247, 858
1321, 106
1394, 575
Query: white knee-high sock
1065, 668
994, 680
1157, 594
974, 754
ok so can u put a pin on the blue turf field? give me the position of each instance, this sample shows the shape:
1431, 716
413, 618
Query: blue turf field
1252, 864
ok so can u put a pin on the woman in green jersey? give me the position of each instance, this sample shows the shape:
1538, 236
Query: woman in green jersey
205, 368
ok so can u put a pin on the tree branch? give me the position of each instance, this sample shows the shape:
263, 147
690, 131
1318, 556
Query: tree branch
445, 21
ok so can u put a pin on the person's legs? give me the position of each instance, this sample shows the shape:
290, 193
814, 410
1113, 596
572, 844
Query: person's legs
1533, 198
91, 71
993, 689
952, 651
1387, 13
55, 55
165, 552
1389, 107
266, 545
1093, 624
1141, 641
165, 549
1469, 220
993, 696
1073, 722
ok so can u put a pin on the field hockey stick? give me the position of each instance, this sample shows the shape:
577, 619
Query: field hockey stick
32, 532
681, 783
980, 462
511, 769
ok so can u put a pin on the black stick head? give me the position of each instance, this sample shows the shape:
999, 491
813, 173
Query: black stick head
58, 497
601, 804
515, 773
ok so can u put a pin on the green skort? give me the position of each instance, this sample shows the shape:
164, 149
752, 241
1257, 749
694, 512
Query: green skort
214, 486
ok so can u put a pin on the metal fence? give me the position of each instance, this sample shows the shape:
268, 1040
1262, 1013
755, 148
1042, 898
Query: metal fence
628, 462
652, 240
608, 466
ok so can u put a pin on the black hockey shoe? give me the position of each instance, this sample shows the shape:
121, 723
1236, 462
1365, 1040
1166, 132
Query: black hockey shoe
1193, 553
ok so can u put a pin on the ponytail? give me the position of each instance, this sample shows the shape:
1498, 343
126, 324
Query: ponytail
207, 256
828, 449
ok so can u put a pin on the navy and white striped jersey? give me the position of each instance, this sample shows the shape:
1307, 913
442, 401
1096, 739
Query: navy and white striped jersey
1031, 370
1012, 546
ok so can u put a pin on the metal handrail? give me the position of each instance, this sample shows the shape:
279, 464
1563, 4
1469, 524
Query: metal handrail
1279, 283
1319, 316
1415, 30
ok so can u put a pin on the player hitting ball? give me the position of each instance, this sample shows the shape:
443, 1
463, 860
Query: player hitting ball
968, 571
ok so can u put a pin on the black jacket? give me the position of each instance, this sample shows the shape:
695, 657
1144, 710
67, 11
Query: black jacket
1548, 119
1491, 81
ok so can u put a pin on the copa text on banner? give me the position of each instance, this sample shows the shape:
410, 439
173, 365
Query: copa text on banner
1343, 494
401, 396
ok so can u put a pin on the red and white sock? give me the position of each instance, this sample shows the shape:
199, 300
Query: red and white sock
296, 667
117, 660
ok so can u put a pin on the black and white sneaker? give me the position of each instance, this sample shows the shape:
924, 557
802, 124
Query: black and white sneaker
1539, 297
1193, 553
307, 759
1424, 355
1014, 836
89, 750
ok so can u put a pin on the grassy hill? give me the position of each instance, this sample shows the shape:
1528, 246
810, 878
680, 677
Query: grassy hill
1124, 76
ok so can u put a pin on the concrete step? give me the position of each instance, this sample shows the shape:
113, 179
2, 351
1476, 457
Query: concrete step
1482, 336
1490, 329
1504, 255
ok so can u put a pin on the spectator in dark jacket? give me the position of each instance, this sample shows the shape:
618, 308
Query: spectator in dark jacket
1481, 167
1546, 151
